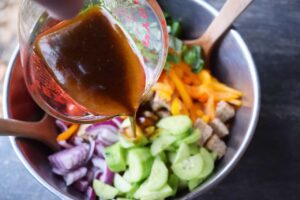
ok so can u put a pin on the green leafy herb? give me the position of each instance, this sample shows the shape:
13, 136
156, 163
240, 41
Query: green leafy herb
192, 56
176, 28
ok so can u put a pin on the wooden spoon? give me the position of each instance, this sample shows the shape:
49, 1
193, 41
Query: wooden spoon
229, 12
43, 130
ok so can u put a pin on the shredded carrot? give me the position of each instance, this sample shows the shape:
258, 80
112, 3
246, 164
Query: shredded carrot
181, 90
205, 77
68, 133
205, 118
176, 106
225, 96
235, 102
210, 107
224, 88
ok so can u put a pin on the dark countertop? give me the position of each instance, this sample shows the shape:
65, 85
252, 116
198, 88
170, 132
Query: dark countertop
270, 167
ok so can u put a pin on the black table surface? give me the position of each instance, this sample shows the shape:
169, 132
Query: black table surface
270, 168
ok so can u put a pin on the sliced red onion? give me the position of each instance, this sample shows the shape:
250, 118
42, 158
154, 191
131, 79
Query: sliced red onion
81, 185
69, 159
99, 163
77, 140
91, 150
118, 121
90, 193
61, 125
99, 149
90, 174
82, 129
60, 172
109, 135
65, 144
99, 124
107, 176
75, 175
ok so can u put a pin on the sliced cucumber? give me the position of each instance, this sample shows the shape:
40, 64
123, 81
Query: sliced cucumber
103, 190
121, 184
192, 138
172, 148
177, 125
158, 176
214, 156
190, 168
125, 143
171, 156
123, 198
183, 184
194, 149
208, 163
134, 188
192, 184
182, 153
144, 193
140, 163
163, 157
173, 183
115, 157
161, 143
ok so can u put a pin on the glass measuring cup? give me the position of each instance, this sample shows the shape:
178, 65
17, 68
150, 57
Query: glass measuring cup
142, 20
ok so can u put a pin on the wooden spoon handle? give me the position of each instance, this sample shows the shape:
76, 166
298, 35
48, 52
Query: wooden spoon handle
229, 12
10, 127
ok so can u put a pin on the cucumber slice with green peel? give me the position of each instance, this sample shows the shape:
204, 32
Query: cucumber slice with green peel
214, 155
161, 143
182, 153
144, 193
158, 176
192, 184
115, 157
134, 188
177, 125
208, 163
123, 198
103, 190
192, 138
163, 157
171, 156
121, 184
140, 163
194, 149
183, 184
189, 168
159, 132
172, 148
125, 143
173, 182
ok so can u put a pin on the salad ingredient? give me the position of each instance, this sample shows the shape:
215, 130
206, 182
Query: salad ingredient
75, 175
219, 128
182, 153
173, 182
205, 129
115, 157
69, 159
68, 133
192, 138
224, 111
103, 190
121, 184
189, 168
215, 144
144, 193
161, 143
176, 124
192, 184
208, 163
139, 164
158, 176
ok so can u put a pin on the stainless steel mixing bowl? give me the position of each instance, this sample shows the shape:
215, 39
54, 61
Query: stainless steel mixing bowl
232, 64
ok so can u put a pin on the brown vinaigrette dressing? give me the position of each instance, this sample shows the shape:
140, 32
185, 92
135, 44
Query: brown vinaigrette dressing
94, 62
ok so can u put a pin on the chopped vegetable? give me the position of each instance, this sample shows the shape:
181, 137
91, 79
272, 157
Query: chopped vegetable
68, 133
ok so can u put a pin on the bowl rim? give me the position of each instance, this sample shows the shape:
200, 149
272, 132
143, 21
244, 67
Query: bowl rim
214, 180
